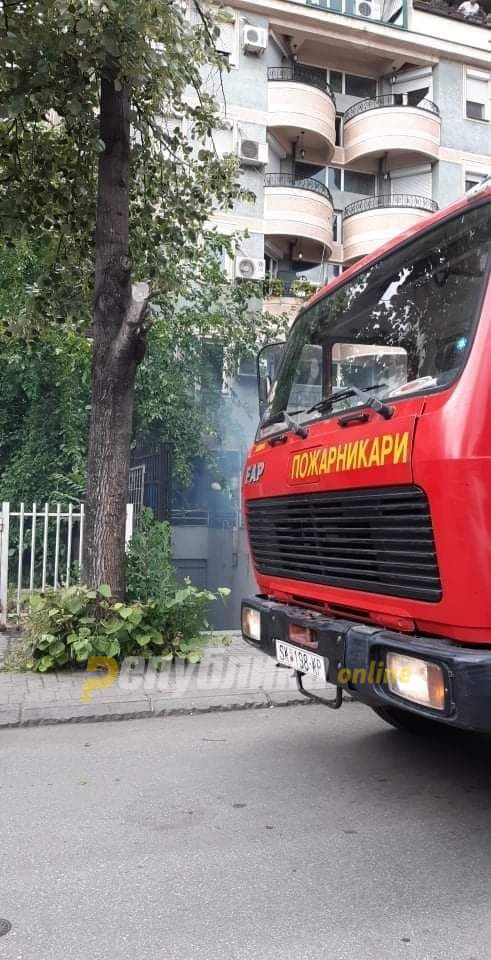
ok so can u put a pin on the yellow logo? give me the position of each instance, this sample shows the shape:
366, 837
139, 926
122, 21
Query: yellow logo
99, 683
355, 455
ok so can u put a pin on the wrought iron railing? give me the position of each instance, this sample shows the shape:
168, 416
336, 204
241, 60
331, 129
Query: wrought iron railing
300, 74
442, 9
388, 100
303, 183
386, 201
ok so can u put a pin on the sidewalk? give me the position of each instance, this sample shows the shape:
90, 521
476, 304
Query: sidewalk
228, 678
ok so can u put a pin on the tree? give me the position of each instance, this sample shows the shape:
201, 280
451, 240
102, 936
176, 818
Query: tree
106, 135
45, 380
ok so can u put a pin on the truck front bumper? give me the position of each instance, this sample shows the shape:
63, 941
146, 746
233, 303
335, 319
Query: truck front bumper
355, 648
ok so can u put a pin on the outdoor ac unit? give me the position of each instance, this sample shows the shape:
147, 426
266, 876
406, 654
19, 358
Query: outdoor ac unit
248, 268
255, 39
252, 153
369, 9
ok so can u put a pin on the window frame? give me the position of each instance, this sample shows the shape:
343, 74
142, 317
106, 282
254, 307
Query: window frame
359, 76
470, 73
342, 188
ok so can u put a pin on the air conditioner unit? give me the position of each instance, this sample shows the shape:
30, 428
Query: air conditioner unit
255, 39
248, 268
252, 153
369, 9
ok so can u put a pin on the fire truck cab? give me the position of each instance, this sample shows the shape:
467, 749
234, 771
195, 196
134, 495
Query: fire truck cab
367, 492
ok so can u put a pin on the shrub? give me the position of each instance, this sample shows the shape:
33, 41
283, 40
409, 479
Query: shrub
158, 617
303, 288
69, 626
273, 286
149, 570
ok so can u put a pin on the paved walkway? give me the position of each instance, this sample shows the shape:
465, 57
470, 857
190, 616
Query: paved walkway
228, 678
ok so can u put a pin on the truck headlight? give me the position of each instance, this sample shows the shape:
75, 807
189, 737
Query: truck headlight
419, 681
251, 623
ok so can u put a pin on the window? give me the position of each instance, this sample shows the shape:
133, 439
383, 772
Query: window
336, 81
337, 224
334, 178
360, 87
477, 95
407, 321
227, 42
351, 181
332, 270
339, 130
474, 179
355, 182
353, 86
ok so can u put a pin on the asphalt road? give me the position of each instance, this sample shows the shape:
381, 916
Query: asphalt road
280, 834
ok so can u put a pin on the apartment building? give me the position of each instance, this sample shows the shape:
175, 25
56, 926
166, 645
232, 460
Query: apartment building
353, 119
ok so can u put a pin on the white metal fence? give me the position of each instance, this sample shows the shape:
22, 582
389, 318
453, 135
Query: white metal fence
41, 547
136, 488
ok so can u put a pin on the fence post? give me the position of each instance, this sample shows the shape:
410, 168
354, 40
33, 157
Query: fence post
4, 564
129, 524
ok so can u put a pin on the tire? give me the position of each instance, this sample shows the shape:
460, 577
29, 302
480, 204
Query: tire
412, 722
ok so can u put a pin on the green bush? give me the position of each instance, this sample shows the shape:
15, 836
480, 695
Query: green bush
158, 617
273, 286
69, 626
303, 288
149, 570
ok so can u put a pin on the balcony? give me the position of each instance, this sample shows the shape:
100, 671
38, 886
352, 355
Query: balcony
287, 296
383, 125
299, 209
442, 8
302, 104
371, 222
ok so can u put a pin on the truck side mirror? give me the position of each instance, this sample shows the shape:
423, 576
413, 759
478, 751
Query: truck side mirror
268, 361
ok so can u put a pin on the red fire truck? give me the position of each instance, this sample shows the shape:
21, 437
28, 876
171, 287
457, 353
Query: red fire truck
367, 493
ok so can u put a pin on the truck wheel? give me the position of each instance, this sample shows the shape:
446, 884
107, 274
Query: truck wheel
411, 722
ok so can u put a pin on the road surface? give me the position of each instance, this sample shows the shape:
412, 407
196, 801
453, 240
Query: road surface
274, 834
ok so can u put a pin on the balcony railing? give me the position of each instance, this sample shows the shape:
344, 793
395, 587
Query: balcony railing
388, 100
298, 74
298, 288
443, 9
386, 201
305, 183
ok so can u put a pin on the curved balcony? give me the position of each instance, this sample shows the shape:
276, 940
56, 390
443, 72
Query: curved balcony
371, 222
302, 104
299, 209
375, 127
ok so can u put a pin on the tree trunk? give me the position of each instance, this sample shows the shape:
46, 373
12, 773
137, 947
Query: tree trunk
117, 341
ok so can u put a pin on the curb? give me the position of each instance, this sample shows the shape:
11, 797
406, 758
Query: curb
35, 715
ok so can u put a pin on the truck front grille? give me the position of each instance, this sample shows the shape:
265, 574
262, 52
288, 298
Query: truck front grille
378, 540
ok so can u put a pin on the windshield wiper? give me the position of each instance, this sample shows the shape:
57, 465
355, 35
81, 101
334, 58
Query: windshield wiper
284, 417
364, 395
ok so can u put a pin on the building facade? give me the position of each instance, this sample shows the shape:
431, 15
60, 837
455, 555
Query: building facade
353, 119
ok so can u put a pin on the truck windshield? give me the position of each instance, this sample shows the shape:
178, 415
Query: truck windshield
405, 323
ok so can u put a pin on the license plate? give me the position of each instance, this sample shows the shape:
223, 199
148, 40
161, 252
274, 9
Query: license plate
302, 660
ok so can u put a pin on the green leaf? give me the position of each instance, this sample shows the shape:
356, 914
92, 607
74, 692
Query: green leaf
57, 648
112, 626
143, 639
104, 591
44, 664
82, 649
125, 612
